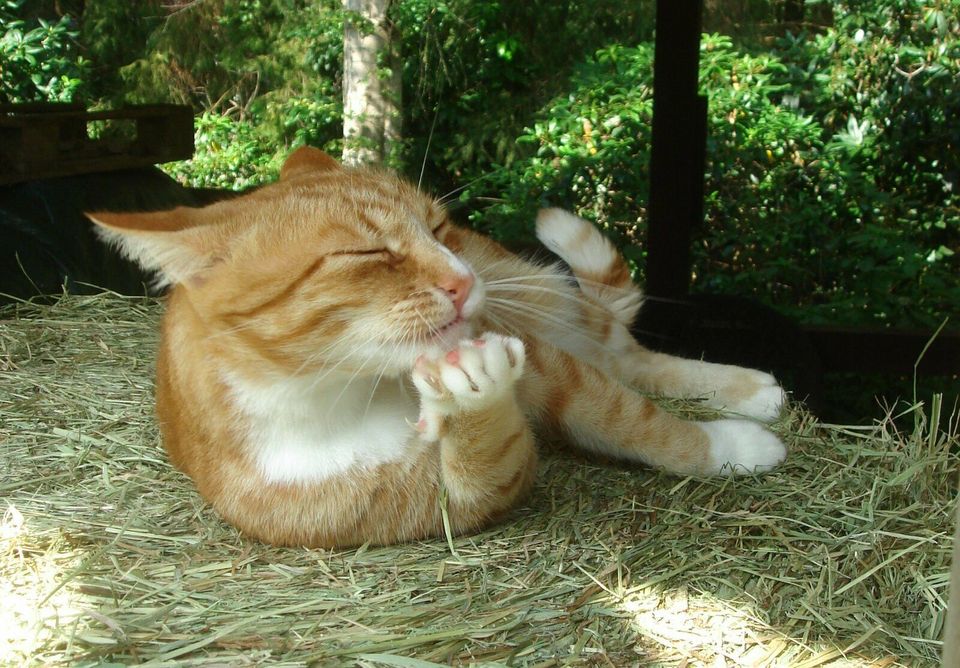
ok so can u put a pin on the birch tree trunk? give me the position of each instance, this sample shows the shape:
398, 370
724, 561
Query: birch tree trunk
371, 84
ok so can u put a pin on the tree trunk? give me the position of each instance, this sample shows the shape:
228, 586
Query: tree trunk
371, 84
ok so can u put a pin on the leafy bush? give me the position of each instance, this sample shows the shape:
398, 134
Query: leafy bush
831, 180
38, 58
229, 155
833, 160
264, 75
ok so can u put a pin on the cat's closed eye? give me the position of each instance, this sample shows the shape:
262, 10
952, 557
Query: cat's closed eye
384, 255
373, 253
440, 230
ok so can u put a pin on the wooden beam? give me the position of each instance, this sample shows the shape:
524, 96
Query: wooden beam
879, 350
678, 152
45, 141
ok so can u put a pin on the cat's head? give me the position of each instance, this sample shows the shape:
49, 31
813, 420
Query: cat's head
329, 264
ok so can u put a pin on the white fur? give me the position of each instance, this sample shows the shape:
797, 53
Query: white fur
575, 240
303, 432
456, 264
173, 256
474, 301
706, 380
740, 446
764, 405
587, 251
484, 371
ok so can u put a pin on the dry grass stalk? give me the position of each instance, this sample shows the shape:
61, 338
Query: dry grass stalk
840, 558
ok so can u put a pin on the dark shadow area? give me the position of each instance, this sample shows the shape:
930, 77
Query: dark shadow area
49, 245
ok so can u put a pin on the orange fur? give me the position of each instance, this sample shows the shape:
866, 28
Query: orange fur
337, 358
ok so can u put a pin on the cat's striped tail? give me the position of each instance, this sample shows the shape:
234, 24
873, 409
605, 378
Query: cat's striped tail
601, 272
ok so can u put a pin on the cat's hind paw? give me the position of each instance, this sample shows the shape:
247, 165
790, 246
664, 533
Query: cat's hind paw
740, 446
473, 376
758, 397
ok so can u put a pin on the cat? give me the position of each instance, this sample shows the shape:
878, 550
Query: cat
340, 364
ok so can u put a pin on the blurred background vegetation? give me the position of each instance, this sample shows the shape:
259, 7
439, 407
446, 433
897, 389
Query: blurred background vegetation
834, 125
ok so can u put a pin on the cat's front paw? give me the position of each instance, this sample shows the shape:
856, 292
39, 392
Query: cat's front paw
741, 446
472, 377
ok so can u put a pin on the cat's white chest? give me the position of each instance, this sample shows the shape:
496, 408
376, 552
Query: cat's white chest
302, 433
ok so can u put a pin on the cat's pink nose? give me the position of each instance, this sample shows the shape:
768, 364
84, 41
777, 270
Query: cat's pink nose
457, 288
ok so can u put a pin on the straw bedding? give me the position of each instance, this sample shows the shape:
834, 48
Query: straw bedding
108, 556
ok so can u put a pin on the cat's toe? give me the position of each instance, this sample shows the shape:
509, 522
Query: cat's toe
426, 378
765, 404
475, 374
760, 398
503, 357
740, 446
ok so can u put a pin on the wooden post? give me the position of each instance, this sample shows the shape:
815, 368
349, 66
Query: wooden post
951, 631
678, 153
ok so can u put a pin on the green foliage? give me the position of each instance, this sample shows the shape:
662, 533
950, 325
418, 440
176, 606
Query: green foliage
592, 150
38, 58
113, 35
833, 163
229, 155
832, 170
476, 71
263, 73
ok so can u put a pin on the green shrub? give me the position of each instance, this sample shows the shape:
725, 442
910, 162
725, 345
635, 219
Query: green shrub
831, 176
229, 155
264, 75
833, 159
38, 58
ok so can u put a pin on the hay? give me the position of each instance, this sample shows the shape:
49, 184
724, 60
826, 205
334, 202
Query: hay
107, 555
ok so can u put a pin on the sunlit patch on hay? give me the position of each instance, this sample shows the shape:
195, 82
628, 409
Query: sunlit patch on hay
696, 628
34, 604
107, 554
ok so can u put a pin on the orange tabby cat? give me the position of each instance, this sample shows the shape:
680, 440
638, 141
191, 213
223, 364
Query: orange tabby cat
338, 360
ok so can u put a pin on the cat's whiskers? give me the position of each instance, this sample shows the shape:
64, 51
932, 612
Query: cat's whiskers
327, 370
432, 330
570, 280
516, 288
355, 375
523, 309
230, 330
386, 364
325, 352
499, 324
573, 280
445, 199
426, 151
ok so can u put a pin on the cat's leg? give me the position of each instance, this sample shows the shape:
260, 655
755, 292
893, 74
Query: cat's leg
600, 413
732, 389
602, 273
469, 406
605, 281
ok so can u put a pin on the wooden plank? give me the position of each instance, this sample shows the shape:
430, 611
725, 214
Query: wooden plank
877, 350
13, 116
678, 151
737, 330
45, 141
38, 107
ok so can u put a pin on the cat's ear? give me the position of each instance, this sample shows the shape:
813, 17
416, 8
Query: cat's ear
305, 160
175, 244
